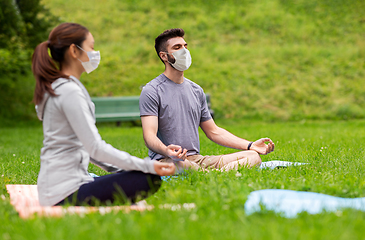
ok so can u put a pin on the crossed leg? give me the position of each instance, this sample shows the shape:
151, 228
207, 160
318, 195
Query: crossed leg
182, 165
244, 158
223, 162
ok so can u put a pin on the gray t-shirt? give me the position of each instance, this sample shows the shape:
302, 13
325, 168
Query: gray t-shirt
180, 109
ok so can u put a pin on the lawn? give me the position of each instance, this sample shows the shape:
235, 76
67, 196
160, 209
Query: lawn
268, 59
333, 149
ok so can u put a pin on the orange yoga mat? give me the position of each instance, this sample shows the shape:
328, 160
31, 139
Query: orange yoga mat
25, 200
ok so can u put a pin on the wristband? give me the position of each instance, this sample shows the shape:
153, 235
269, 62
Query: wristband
249, 146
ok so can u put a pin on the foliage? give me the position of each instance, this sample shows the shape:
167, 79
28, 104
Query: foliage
335, 167
24, 23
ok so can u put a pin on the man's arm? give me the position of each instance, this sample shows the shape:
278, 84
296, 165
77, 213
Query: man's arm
149, 128
227, 139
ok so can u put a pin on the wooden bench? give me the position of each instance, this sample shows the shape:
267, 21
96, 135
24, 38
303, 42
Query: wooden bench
119, 109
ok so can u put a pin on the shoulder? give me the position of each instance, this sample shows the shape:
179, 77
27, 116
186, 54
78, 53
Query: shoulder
64, 87
154, 85
156, 82
194, 86
63, 83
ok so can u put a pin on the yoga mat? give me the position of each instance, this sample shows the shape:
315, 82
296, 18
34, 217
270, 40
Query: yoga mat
278, 164
289, 203
25, 200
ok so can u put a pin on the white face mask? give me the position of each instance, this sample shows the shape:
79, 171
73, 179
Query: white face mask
182, 59
94, 60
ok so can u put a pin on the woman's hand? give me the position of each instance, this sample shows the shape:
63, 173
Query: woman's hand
164, 169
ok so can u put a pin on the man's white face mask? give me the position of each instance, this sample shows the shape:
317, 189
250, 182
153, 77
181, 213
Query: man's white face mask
182, 59
94, 60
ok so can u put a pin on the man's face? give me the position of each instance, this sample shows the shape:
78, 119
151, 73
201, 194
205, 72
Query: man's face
173, 45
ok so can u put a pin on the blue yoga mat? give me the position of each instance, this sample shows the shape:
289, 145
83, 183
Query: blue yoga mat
165, 178
279, 164
289, 203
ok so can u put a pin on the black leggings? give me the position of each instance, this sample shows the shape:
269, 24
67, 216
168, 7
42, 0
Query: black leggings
126, 186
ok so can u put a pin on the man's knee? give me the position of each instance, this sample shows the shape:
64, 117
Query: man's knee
253, 158
181, 165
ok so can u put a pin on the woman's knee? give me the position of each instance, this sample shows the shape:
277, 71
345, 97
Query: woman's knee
147, 186
155, 182
138, 183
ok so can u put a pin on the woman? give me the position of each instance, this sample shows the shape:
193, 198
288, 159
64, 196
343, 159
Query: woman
71, 138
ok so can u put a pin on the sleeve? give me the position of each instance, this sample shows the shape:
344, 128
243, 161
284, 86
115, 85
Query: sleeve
105, 166
148, 101
77, 112
205, 113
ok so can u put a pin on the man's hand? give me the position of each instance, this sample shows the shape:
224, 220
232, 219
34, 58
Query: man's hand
175, 152
260, 147
164, 169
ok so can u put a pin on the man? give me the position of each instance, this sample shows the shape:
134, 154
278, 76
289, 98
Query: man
172, 109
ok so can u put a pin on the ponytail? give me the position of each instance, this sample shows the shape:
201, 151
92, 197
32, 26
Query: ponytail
45, 72
46, 69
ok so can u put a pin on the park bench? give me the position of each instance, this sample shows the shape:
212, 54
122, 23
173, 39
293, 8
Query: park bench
120, 109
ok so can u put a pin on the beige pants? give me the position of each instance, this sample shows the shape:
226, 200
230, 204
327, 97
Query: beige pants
222, 162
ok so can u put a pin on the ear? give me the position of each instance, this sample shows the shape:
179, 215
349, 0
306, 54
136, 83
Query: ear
163, 56
73, 51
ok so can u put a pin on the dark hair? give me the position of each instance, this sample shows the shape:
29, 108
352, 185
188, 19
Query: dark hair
161, 40
46, 69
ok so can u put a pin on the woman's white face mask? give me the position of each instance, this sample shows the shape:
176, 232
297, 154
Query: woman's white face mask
182, 59
94, 60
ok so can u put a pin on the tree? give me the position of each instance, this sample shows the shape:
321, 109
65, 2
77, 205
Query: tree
23, 25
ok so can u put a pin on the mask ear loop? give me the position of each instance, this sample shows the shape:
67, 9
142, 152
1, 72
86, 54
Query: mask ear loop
82, 50
168, 58
80, 47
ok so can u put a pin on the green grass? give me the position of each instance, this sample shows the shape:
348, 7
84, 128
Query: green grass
334, 150
268, 59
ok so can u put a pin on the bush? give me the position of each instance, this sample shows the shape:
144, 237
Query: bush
24, 23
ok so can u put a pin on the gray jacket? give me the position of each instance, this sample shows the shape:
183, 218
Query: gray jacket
71, 140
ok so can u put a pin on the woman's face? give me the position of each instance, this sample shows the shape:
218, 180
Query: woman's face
87, 45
